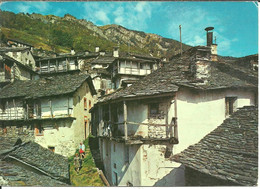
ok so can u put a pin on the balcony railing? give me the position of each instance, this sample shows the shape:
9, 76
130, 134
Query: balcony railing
140, 131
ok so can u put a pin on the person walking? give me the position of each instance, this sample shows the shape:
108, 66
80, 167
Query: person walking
82, 150
76, 163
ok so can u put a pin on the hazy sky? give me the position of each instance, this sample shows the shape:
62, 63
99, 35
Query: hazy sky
236, 23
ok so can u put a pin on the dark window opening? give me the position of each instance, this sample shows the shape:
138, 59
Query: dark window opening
116, 181
153, 110
85, 104
230, 105
51, 148
38, 130
126, 154
115, 165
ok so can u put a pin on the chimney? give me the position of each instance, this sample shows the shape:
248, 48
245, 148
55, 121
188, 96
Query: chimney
116, 52
72, 52
213, 46
97, 49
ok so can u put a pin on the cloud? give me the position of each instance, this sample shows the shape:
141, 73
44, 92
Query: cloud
23, 8
102, 16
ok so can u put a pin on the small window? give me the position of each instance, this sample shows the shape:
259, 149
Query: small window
141, 66
114, 147
89, 104
38, 130
106, 148
153, 110
115, 165
51, 148
230, 105
85, 104
126, 154
115, 181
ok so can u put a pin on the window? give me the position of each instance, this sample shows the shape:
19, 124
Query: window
230, 105
51, 148
126, 154
106, 148
153, 109
114, 147
85, 104
38, 130
115, 181
89, 104
115, 165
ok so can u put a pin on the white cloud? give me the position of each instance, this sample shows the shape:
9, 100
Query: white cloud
102, 16
23, 8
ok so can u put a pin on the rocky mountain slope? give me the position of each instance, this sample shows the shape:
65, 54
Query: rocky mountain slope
60, 34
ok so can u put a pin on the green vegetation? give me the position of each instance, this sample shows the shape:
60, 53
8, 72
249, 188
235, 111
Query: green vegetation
88, 175
60, 34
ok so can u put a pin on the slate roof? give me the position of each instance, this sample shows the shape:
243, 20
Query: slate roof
18, 63
13, 49
29, 164
230, 152
176, 73
48, 86
103, 60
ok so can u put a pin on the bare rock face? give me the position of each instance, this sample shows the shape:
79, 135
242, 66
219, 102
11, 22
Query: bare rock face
118, 34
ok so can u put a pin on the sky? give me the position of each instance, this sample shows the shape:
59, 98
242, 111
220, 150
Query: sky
235, 23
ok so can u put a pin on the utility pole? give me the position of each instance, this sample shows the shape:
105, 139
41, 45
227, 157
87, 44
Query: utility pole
180, 38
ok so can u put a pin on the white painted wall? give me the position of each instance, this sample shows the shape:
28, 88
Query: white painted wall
200, 113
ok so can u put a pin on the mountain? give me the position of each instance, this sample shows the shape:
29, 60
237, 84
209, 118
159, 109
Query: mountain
60, 34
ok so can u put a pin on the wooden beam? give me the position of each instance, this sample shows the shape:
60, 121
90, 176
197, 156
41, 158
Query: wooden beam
125, 119
176, 121
48, 65
51, 109
68, 106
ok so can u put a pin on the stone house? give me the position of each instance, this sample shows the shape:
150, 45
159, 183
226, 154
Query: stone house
29, 164
21, 54
14, 69
227, 156
63, 63
129, 68
52, 111
141, 126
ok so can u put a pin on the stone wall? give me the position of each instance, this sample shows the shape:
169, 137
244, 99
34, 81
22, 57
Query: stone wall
26, 133
196, 178
158, 131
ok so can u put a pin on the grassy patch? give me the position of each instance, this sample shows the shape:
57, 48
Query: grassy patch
88, 175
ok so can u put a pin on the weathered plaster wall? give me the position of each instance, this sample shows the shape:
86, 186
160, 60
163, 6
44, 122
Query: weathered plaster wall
201, 112
137, 112
115, 163
80, 113
158, 170
26, 132
59, 135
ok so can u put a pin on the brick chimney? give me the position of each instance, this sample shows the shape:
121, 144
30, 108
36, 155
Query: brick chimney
213, 46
